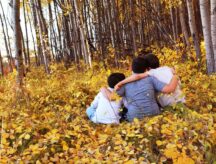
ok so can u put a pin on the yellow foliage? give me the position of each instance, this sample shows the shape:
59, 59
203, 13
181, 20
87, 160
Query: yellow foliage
51, 125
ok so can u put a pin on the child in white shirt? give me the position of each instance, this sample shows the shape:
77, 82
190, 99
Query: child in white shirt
164, 74
103, 110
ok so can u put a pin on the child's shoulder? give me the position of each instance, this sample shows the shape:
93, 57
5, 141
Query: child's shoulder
162, 69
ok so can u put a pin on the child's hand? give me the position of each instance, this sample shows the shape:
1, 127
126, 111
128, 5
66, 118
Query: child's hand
117, 86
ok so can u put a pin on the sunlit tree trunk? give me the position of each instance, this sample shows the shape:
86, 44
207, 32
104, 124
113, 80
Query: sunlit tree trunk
193, 29
6, 45
18, 42
43, 36
36, 27
1, 66
33, 39
24, 49
85, 48
7, 38
173, 24
213, 29
26, 33
205, 15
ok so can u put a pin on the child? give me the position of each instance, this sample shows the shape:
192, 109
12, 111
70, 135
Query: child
139, 96
103, 110
164, 74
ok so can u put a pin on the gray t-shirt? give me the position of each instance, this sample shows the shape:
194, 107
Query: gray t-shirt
140, 98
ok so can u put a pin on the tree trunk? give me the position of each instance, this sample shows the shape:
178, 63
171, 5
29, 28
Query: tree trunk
132, 26
18, 42
42, 38
26, 33
38, 41
173, 24
193, 30
33, 40
183, 25
1, 66
85, 48
213, 29
205, 17
8, 38
6, 45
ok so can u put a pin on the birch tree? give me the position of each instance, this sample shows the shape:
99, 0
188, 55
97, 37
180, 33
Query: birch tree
213, 29
85, 48
18, 42
205, 17
1, 66
193, 29
183, 24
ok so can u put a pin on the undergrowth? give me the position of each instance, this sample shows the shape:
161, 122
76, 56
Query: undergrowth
49, 124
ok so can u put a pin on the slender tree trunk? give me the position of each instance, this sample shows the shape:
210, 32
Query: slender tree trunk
24, 49
213, 29
1, 66
85, 47
173, 24
33, 40
193, 29
205, 15
38, 41
183, 25
18, 42
6, 45
132, 26
43, 38
26, 33
7, 34
100, 34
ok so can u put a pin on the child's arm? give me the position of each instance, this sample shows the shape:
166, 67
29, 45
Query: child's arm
131, 78
171, 86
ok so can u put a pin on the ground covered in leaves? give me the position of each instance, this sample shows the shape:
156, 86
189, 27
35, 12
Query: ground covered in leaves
49, 123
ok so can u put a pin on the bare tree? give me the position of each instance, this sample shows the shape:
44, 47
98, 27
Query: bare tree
183, 24
205, 15
213, 29
193, 29
1, 66
18, 42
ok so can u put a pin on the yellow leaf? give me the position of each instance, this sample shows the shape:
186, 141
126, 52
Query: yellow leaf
27, 137
170, 146
171, 153
136, 120
64, 145
159, 143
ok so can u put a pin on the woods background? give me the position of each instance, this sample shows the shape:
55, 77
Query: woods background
105, 31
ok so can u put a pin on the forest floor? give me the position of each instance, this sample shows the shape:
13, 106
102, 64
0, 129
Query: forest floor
49, 123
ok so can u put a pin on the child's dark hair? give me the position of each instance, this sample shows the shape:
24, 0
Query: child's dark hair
152, 60
139, 65
114, 79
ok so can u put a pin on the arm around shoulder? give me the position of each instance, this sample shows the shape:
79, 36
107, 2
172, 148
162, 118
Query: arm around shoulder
171, 86
131, 78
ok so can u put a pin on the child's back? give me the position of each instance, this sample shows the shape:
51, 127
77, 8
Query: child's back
165, 75
102, 110
107, 112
